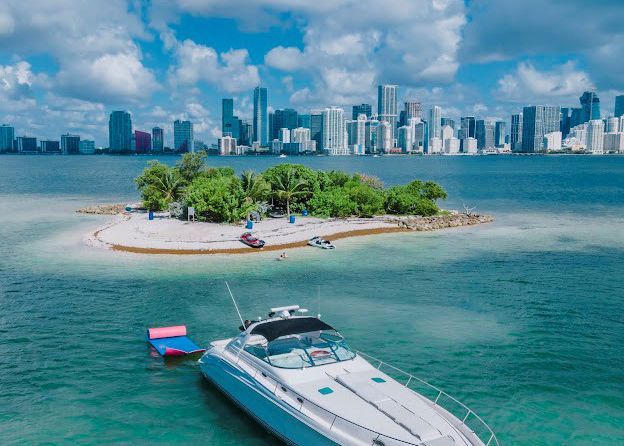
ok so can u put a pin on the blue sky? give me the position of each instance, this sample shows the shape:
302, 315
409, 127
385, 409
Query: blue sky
65, 64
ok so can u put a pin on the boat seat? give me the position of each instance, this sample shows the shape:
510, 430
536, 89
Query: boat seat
447, 440
373, 394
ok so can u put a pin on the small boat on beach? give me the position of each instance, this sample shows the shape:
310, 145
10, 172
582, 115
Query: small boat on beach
297, 377
250, 240
319, 242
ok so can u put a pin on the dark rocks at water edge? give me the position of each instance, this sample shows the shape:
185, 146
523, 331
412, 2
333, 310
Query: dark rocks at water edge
453, 220
103, 209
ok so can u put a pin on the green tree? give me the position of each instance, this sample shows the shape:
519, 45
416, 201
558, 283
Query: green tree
334, 202
218, 199
191, 165
407, 200
159, 185
368, 200
288, 186
255, 188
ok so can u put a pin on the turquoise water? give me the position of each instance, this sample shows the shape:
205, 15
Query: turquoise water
522, 319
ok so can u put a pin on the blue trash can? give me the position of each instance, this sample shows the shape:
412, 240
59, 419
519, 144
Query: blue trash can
292, 218
304, 213
150, 215
249, 224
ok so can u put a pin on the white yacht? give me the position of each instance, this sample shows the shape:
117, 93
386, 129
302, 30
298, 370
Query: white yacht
297, 377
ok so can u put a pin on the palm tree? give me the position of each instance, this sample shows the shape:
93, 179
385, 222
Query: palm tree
255, 187
288, 187
170, 185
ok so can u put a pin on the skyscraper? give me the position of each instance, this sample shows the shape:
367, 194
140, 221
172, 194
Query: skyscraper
500, 130
334, 131
260, 118
595, 136
467, 127
515, 136
356, 129
485, 134
447, 121
413, 109
142, 142
158, 139
576, 117
435, 122
590, 103
619, 106
316, 128
7, 137
183, 136
387, 106
538, 120
70, 144
303, 120
362, 109
283, 119
229, 122
119, 131
564, 124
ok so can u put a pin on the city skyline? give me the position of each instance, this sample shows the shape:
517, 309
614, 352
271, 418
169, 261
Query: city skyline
156, 60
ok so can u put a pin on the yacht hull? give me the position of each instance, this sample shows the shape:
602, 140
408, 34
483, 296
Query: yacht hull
273, 414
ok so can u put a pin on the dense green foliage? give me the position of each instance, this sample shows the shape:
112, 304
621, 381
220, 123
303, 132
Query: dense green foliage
219, 195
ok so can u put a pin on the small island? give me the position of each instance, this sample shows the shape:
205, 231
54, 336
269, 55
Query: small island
286, 205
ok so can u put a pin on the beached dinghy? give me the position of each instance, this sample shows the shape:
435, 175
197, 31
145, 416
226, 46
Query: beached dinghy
319, 242
248, 239
297, 377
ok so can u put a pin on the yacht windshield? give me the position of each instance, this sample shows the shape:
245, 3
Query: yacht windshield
303, 350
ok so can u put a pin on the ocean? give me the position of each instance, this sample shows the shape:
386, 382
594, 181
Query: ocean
521, 319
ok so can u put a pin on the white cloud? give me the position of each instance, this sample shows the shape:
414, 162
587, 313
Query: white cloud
229, 71
528, 84
286, 59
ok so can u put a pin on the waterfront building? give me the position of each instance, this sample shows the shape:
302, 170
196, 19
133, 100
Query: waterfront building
227, 145
276, 146
595, 136
70, 144
468, 127
387, 106
362, 109
564, 123
538, 120
303, 121
370, 128
158, 139
119, 131
230, 124
142, 142
421, 137
451, 146
413, 109
301, 136
316, 128
384, 137
447, 132
356, 131
7, 138
260, 118
50, 146
552, 141
435, 145
246, 133
87, 147
448, 121
470, 145
183, 140
590, 104
614, 142
406, 138
485, 134
500, 129
282, 119
435, 122
612, 125
26, 144
515, 137
577, 138
619, 106
621, 129
576, 117
284, 135
334, 142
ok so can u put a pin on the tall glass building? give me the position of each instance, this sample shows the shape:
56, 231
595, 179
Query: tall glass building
334, 132
283, 119
158, 139
316, 128
590, 103
515, 135
260, 118
362, 109
70, 144
500, 130
387, 106
183, 136
119, 131
538, 120
619, 106
7, 138
435, 122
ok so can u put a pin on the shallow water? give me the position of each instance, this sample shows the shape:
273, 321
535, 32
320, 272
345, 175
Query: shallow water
522, 319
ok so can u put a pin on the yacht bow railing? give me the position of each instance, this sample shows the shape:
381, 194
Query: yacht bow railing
441, 394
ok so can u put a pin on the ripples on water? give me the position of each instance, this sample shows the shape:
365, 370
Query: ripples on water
522, 319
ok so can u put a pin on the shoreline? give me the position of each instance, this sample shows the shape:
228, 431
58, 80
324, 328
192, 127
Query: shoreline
135, 233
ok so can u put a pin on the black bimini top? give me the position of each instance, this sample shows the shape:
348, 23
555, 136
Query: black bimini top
283, 327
